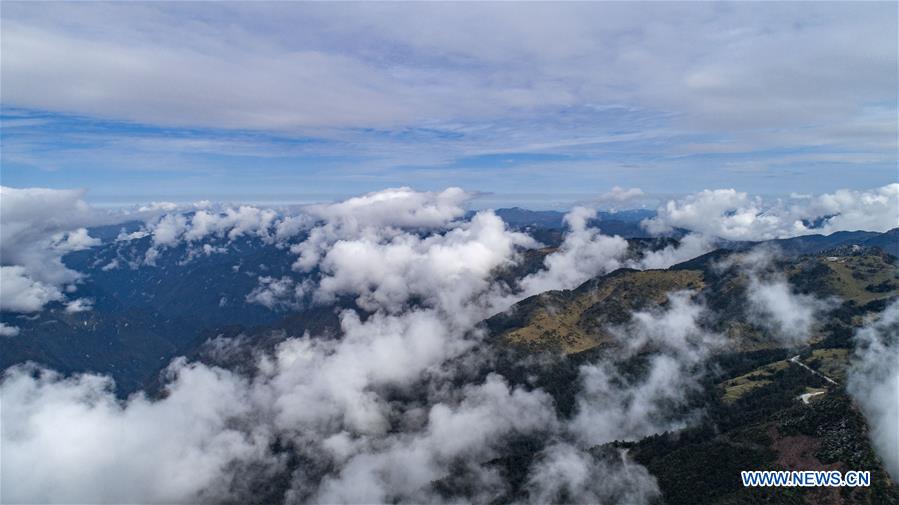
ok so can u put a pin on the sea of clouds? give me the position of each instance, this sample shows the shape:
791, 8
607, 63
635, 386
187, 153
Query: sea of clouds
395, 408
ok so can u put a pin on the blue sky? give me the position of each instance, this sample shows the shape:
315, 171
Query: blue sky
532, 104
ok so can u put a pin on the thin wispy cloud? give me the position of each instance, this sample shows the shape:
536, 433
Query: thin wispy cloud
316, 92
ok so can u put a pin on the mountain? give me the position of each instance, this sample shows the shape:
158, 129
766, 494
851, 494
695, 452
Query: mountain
543, 223
144, 315
571, 321
759, 404
519, 218
765, 403
888, 241
811, 244
760, 400
516, 216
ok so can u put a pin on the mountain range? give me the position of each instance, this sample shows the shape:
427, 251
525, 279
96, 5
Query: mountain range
755, 401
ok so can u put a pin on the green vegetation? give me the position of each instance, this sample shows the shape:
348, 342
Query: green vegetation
735, 388
573, 321
754, 414
852, 275
831, 362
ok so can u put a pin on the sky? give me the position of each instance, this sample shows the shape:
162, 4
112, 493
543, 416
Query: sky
539, 105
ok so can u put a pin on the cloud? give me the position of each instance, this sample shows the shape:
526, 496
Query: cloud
790, 316
584, 253
734, 215
107, 451
404, 468
194, 224
396, 207
20, 293
335, 383
688, 247
384, 248
79, 305
8, 331
612, 407
383, 411
874, 383
462, 62
326, 399
874, 210
773, 304
441, 270
619, 194
378, 214
396, 406
619, 198
74, 241
283, 293
231, 223
565, 474
350, 100
38, 226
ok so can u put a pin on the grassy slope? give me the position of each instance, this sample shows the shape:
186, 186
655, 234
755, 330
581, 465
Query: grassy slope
573, 321
753, 419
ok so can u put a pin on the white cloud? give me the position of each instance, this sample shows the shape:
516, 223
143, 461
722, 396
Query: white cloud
158, 206
565, 473
773, 304
584, 253
620, 198
391, 66
612, 407
404, 468
874, 383
77, 240
38, 226
442, 270
8, 331
169, 450
875, 210
390, 405
231, 223
20, 293
790, 316
79, 305
378, 215
195, 224
734, 215
169, 229
396, 207
426, 281
688, 247
283, 293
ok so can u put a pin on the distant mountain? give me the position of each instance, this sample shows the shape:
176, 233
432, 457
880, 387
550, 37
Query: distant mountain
813, 244
888, 241
519, 217
810, 244
624, 223
516, 216
142, 315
